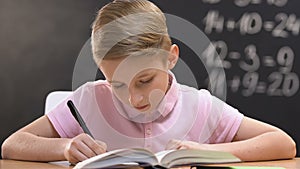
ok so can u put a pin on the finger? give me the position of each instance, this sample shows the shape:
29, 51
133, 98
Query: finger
97, 147
173, 144
86, 149
182, 147
76, 155
73, 160
102, 148
71, 152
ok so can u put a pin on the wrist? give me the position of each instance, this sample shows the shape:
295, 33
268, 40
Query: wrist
62, 143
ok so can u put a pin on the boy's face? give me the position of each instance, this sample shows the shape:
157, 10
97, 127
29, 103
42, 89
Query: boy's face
138, 81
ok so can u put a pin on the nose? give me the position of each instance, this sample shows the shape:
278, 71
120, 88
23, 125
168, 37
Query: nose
135, 98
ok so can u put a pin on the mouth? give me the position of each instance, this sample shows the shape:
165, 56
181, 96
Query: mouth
140, 108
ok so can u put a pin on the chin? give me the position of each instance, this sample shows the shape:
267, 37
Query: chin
144, 111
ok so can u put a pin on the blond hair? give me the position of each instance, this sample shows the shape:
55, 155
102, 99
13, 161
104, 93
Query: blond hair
124, 27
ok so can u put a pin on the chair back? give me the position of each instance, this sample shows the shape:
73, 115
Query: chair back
54, 98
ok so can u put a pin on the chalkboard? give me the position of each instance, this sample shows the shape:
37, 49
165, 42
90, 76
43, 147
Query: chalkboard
39, 44
258, 44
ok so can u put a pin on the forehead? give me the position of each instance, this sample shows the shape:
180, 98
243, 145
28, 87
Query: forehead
125, 69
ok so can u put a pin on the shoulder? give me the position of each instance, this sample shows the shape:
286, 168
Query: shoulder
99, 84
187, 90
201, 98
90, 88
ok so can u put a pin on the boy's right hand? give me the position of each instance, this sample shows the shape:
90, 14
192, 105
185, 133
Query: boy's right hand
83, 147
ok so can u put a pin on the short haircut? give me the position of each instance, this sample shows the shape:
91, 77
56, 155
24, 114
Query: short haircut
124, 27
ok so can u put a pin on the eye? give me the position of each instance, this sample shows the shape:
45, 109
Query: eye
147, 80
117, 85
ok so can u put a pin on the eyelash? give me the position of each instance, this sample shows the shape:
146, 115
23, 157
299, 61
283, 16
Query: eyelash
117, 86
146, 81
141, 81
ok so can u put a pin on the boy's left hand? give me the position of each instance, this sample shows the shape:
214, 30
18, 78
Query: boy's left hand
180, 144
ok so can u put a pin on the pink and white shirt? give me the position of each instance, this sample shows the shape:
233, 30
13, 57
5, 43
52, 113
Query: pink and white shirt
185, 113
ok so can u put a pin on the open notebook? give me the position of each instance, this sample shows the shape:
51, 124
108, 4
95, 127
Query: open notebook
165, 159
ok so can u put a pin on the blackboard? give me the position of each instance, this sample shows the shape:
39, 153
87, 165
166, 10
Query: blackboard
258, 43
39, 44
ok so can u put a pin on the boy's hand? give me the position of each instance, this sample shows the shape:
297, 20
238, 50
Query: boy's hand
83, 147
179, 144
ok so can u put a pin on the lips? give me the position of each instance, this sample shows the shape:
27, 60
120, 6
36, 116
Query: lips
142, 107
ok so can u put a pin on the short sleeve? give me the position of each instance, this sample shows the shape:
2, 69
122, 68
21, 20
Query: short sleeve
62, 119
228, 123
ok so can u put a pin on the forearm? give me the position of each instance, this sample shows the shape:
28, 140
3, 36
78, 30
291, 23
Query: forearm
268, 146
26, 146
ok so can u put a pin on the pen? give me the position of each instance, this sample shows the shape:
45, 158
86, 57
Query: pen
78, 117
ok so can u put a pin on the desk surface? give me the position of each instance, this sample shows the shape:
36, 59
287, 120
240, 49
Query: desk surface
11, 164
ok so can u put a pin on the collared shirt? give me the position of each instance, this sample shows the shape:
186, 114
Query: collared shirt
184, 113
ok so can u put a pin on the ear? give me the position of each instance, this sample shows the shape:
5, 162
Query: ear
173, 56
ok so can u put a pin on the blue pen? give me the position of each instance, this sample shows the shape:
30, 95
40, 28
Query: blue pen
78, 117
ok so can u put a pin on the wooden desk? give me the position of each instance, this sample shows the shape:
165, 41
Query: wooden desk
288, 164
12, 164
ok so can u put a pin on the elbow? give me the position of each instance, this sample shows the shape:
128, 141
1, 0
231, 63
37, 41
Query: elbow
8, 148
290, 148
5, 149
286, 146
293, 149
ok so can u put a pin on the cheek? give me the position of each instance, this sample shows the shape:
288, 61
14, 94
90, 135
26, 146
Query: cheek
162, 83
157, 90
122, 95
157, 85
155, 97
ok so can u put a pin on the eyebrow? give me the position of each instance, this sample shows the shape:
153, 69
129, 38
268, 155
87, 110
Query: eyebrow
109, 81
140, 76
146, 74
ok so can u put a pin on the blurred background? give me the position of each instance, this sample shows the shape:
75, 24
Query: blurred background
257, 40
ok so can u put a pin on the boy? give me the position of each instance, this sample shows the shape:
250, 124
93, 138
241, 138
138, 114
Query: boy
141, 104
